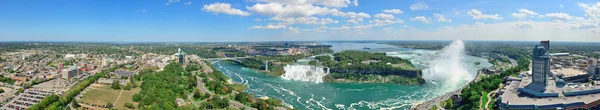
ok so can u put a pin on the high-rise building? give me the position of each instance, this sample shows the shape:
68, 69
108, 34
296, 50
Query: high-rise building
60, 67
70, 73
540, 65
546, 44
180, 56
592, 64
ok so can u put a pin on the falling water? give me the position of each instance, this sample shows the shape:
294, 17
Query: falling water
304, 73
448, 67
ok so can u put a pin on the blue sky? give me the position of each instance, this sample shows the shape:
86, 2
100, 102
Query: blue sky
284, 20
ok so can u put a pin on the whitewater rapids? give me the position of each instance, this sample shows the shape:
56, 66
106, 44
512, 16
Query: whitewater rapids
304, 73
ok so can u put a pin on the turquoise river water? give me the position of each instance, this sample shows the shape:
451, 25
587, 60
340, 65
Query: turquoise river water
442, 77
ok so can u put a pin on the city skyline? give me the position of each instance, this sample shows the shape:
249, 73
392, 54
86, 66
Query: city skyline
307, 20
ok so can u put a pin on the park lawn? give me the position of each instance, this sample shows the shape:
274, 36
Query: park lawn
127, 97
100, 94
484, 99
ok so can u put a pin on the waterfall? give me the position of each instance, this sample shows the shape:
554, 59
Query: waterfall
304, 73
448, 66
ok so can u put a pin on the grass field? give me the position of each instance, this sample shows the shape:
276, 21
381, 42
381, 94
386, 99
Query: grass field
100, 94
484, 99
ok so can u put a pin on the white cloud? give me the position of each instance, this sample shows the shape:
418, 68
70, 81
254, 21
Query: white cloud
342, 28
441, 18
355, 21
305, 20
171, 1
478, 15
269, 26
353, 15
320, 29
559, 16
393, 11
561, 6
421, 18
478, 24
224, 8
418, 6
591, 11
523, 13
258, 19
384, 16
305, 10
187, 3
143, 10
293, 30
326, 3
384, 22
507, 31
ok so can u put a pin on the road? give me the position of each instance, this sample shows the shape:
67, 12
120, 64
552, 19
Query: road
513, 62
490, 97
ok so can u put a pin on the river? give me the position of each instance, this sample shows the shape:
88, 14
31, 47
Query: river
442, 77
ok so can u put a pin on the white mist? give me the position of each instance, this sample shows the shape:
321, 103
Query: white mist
448, 68
304, 73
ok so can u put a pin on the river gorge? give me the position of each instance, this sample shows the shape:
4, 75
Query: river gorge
302, 87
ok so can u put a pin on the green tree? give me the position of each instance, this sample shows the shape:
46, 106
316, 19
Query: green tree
108, 105
127, 87
115, 85
136, 97
129, 105
75, 104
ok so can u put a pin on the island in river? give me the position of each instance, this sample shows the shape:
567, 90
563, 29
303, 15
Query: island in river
348, 67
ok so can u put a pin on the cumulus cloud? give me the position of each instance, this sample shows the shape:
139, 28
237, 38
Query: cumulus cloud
326, 3
304, 20
293, 30
592, 11
342, 28
353, 15
384, 22
384, 16
441, 18
418, 6
269, 26
224, 8
393, 11
559, 16
320, 29
523, 13
355, 21
421, 18
478, 15
478, 24
304, 10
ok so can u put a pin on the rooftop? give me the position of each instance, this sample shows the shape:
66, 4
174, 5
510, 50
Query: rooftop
513, 97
